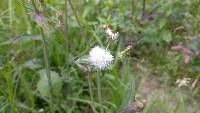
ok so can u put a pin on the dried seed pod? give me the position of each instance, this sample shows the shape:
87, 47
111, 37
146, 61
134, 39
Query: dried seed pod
59, 22
125, 52
109, 33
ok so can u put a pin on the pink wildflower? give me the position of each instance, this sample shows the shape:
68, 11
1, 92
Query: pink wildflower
177, 47
187, 53
186, 58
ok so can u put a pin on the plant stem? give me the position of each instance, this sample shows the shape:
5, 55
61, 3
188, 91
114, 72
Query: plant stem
48, 73
78, 21
65, 32
91, 93
10, 12
10, 89
45, 52
98, 80
66, 43
108, 44
133, 7
132, 84
132, 89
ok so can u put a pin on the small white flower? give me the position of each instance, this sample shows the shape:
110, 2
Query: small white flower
99, 58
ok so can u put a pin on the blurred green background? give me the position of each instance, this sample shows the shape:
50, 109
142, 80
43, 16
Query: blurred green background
69, 29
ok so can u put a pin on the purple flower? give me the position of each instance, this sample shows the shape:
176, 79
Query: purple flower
40, 20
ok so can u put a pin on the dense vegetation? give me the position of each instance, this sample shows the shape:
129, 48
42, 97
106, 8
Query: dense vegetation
41, 41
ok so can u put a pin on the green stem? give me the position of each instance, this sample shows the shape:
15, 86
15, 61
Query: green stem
132, 89
98, 80
10, 12
86, 101
48, 73
133, 7
45, 52
108, 44
78, 21
65, 31
10, 90
91, 93
131, 96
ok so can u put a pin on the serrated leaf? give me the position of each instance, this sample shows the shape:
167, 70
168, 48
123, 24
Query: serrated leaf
43, 86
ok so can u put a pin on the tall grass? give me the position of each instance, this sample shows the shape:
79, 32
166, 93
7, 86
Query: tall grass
148, 73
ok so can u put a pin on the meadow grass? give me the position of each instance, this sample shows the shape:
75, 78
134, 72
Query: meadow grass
38, 71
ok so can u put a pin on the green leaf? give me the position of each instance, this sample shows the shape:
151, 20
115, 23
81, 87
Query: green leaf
162, 23
166, 36
31, 64
43, 86
16, 41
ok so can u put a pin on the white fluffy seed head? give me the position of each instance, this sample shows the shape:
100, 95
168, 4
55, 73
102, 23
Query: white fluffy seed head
99, 58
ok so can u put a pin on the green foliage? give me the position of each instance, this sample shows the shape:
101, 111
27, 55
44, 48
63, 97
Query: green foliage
43, 86
152, 30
